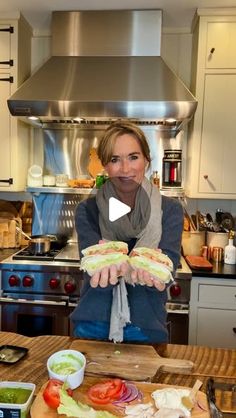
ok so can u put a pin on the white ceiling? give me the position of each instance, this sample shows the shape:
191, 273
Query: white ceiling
176, 13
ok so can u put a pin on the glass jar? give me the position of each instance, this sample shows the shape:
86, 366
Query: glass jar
62, 180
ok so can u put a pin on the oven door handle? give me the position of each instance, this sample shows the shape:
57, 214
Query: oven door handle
178, 311
177, 308
33, 302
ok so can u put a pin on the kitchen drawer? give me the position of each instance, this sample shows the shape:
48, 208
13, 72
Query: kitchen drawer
216, 327
218, 294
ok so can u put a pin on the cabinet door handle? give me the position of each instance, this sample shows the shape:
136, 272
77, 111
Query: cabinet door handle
9, 29
234, 330
9, 181
205, 176
9, 79
212, 50
10, 62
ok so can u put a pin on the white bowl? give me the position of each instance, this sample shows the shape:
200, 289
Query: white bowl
67, 366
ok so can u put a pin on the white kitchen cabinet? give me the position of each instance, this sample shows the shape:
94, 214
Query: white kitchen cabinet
212, 319
5, 45
218, 145
211, 144
15, 65
221, 46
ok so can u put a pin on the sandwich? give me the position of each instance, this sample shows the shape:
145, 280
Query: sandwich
98, 256
159, 265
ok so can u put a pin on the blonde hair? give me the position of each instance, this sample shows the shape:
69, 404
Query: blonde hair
118, 128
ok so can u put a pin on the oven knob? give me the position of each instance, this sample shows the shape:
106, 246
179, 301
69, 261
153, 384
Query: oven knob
14, 281
28, 281
175, 290
69, 287
53, 283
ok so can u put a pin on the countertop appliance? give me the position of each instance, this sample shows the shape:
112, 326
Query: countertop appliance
40, 291
172, 168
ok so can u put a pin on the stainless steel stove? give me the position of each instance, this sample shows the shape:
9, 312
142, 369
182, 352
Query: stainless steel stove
40, 291
25, 254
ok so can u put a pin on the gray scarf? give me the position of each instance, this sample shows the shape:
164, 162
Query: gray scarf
144, 223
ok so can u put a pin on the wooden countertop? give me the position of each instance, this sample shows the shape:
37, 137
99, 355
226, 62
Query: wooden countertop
215, 362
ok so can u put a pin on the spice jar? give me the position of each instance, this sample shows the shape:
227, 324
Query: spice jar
62, 180
49, 180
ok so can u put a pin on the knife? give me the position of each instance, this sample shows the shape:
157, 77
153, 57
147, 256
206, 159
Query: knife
210, 391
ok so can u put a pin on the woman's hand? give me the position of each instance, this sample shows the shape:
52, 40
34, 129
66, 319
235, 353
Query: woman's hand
108, 275
143, 277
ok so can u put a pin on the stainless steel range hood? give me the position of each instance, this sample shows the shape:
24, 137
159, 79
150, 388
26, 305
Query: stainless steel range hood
105, 65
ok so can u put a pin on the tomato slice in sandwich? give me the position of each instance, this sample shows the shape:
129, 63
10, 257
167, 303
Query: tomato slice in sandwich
107, 251
103, 393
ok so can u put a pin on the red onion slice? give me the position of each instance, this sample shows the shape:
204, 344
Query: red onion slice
130, 394
201, 406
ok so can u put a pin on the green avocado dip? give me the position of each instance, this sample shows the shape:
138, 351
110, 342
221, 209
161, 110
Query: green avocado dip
14, 395
69, 365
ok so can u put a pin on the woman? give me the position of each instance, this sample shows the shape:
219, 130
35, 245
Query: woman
155, 221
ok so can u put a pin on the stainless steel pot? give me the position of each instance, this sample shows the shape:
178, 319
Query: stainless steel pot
39, 245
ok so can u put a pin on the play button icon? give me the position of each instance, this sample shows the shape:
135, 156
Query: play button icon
117, 209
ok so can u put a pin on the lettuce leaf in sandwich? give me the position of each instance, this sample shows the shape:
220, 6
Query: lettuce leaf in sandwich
156, 270
95, 263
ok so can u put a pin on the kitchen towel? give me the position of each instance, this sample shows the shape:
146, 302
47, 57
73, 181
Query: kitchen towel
120, 313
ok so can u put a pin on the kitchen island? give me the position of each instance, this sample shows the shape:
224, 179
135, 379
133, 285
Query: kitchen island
215, 362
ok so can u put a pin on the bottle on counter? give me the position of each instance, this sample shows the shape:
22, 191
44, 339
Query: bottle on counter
155, 179
230, 250
101, 178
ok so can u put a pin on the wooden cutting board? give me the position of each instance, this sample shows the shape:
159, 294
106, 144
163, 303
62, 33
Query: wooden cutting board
39, 409
198, 263
128, 361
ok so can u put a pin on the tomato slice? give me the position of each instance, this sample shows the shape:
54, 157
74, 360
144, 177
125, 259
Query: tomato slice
116, 385
103, 393
51, 393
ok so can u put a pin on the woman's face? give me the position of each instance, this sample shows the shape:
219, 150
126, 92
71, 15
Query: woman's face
127, 165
